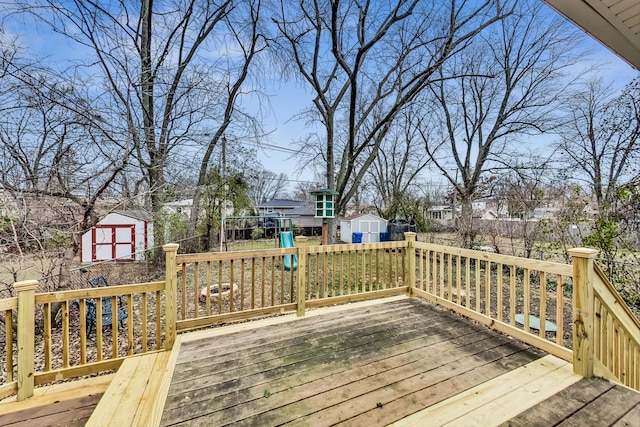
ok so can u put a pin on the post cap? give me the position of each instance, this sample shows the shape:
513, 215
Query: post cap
170, 247
410, 235
25, 285
583, 252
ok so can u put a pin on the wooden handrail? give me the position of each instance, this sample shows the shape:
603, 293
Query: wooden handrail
532, 264
616, 335
631, 322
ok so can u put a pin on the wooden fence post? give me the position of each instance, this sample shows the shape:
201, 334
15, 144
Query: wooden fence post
26, 336
171, 294
410, 236
302, 286
583, 310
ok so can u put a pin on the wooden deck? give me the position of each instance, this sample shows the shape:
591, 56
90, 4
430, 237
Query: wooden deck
404, 361
398, 361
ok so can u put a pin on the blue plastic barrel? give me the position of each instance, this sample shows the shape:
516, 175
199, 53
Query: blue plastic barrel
356, 238
384, 237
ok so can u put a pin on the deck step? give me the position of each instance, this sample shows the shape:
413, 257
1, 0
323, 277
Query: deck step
137, 394
499, 399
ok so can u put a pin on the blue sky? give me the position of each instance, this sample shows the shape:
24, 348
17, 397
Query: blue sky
287, 99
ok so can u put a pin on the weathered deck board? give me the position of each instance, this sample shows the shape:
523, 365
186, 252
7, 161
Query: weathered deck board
69, 404
74, 412
375, 364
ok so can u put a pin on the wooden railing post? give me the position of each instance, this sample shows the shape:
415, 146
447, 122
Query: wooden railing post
583, 310
26, 339
410, 236
302, 286
171, 293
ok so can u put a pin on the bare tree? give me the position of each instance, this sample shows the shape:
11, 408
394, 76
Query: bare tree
522, 189
265, 185
302, 190
364, 62
394, 171
168, 74
602, 138
57, 159
510, 83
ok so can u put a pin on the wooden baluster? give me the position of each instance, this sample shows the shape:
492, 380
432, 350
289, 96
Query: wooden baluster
458, 279
560, 310
158, 320
487, 288
242, 283
114, 327
478, 295
467, 284
8, 323
196, 289
512, 295
499, 307
411, 280
301, 292
64, 309
527, 298
47, 336
273, 281
543, 304
253, 283
208, 288
183, 299
143, 306
231, 282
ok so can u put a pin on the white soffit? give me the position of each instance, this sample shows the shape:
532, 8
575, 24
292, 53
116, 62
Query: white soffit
615, 23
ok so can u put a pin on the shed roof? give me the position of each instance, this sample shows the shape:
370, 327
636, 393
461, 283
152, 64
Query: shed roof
134, 213
356, 216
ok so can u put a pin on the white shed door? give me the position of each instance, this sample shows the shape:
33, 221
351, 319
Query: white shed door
370, 231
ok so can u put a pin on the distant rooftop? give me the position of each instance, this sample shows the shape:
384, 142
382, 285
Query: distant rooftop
281, 203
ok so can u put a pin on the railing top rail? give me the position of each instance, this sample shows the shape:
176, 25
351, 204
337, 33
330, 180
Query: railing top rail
8, 303
343, 247
225, 256
106, 291
532, 264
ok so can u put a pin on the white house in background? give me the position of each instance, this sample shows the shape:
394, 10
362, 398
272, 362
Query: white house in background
489, 208
283, 206
120, 236
304, 216
369, 225
182, 207
441, 212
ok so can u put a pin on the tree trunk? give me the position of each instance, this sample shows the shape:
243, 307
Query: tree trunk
465, 228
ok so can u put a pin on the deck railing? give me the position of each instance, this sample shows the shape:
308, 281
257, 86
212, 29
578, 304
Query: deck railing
507, 293
570, 311
215, 288
616, 343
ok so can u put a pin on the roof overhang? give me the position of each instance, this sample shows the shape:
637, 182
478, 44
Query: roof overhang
615, 23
